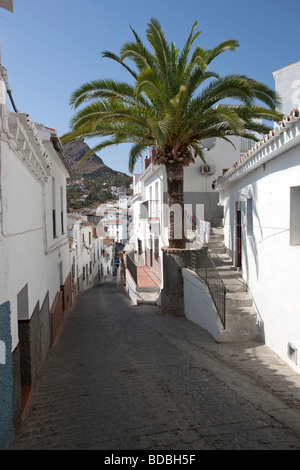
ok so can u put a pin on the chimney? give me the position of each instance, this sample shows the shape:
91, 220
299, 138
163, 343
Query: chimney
153, 154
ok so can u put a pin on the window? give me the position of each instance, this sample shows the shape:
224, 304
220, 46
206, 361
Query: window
53, 209
54, 223
295, 215
249, 217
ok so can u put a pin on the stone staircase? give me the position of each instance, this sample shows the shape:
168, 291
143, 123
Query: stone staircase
241, 317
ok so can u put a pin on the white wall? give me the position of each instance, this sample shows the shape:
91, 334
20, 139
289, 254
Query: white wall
270, 265
27, 255
198, 304
222, 155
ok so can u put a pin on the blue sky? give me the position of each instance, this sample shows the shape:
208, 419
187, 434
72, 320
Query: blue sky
50, 48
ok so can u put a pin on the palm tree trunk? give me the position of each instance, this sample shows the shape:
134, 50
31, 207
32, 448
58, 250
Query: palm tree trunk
176, 205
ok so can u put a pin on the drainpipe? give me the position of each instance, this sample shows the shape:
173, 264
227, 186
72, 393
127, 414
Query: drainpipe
4, 79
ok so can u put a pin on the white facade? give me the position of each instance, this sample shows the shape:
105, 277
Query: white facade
33, 194
116, 229
150, 224
114, 219
107, 266
263, 190
91, 256
35, 287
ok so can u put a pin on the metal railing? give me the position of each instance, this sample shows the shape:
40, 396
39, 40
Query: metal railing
149, 210
131, 266
201, 262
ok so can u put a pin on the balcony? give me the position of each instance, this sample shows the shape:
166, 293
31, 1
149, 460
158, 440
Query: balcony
150, 210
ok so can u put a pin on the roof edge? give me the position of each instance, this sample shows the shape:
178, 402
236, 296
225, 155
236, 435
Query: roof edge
272, 136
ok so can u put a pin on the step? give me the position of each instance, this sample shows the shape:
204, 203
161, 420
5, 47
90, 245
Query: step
147, 298
242, 335
238, 299
221, 261
241, 311
215, 245
217, 249
236, 284
241, 326
217, 231
216, 239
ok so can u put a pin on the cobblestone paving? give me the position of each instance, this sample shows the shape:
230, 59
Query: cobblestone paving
122, 377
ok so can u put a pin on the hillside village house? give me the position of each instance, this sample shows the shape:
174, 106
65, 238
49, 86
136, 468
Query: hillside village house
96, 237
83, 252
260, 195
114, 218
261, 199
35, 277
91, 253
117, 229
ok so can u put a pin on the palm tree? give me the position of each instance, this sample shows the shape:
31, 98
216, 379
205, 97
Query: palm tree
171, 104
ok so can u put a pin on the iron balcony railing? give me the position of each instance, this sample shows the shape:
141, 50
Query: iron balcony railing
201, 262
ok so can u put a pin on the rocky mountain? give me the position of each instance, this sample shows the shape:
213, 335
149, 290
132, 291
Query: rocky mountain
92, 166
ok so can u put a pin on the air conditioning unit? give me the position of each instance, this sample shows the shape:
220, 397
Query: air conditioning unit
207, 170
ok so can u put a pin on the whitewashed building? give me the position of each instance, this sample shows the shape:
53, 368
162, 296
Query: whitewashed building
35, 287
150, 207
116, 229
260, 195
91, 253
287, 85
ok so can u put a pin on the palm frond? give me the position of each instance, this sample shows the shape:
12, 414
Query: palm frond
161, 48
135, 153
229, 45
183, 58
102, 89
111, 55
149, 83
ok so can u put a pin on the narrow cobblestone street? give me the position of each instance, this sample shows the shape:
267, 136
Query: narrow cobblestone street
122, 377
